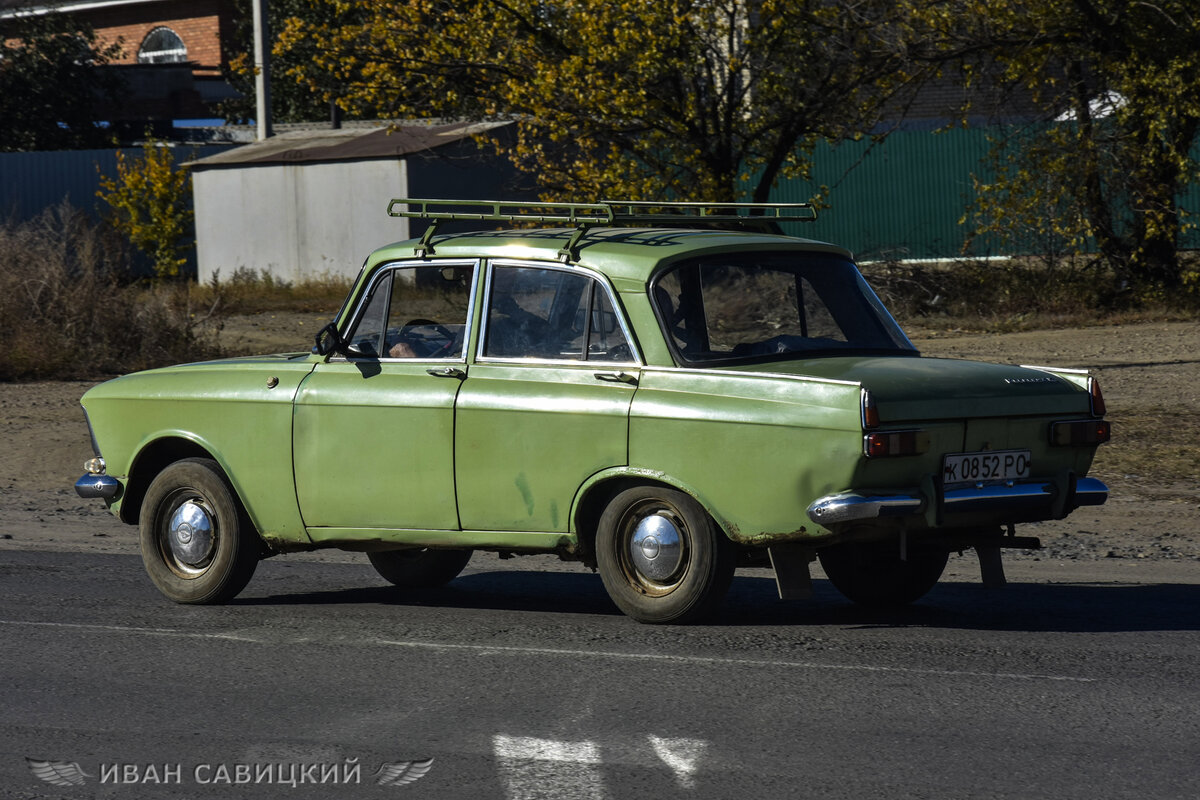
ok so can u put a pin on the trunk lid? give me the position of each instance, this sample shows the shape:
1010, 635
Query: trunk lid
915, 388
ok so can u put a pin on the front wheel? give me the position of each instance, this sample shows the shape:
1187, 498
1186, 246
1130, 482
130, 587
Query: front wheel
197, 544
874, 574
661, 557
419, 567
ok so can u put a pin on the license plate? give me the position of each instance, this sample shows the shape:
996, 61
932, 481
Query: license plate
992, 465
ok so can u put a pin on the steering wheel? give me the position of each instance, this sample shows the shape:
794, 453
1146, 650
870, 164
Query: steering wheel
441, 330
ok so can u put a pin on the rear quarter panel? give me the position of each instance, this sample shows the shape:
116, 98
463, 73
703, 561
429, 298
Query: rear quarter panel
756, 450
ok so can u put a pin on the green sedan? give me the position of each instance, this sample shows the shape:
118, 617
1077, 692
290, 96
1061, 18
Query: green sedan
664, 393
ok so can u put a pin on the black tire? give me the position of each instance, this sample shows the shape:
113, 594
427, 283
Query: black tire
874, 575
197, 543
682, 568
419, 567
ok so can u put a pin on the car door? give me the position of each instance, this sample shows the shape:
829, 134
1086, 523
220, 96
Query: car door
373, 433
547, 402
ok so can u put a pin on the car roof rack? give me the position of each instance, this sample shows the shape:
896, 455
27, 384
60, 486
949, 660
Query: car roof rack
632, 213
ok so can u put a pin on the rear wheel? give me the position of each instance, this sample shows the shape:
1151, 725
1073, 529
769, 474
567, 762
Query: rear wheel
197, 543
419, 567
874, 574
661, 557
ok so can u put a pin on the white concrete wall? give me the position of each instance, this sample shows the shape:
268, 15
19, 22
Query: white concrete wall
296, 221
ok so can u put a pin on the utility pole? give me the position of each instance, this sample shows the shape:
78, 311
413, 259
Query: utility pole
262, 69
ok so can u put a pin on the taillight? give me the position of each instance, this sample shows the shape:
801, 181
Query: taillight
1080, 433
1098, 407
887, 444
870, 414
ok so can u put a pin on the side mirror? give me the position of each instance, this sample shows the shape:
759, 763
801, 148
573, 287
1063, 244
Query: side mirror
328, 340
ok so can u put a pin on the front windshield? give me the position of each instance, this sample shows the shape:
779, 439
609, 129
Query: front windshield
768, 305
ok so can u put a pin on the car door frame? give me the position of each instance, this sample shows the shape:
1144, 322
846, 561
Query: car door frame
437, 380
499, 487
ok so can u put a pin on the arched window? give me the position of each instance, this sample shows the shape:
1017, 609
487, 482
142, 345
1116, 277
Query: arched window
162, 46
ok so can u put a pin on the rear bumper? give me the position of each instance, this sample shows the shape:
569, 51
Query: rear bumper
1006, 502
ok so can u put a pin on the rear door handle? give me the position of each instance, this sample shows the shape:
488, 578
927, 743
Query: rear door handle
617, 377
447, 372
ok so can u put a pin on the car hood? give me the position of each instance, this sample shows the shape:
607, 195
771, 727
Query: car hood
231, 363
916, 388
222, 378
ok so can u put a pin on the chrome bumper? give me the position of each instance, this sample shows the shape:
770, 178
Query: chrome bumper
92, 486
1018, 500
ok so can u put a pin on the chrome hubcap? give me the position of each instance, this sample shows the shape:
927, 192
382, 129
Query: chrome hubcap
656, 548
190, 534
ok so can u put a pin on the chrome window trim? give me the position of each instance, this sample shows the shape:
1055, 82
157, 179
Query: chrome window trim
719, 372
618, 311
391, 266
1064, 370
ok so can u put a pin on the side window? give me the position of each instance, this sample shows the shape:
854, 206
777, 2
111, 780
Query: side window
669, 297
606, 340
416, 312
367, 340
551, 314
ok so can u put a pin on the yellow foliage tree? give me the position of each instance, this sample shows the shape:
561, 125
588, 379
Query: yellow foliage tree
649, 99
150, 204
1118, 87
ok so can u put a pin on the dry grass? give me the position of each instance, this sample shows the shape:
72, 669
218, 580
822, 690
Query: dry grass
1154, 449
71, 309
1022, 295
248, 292
67, 313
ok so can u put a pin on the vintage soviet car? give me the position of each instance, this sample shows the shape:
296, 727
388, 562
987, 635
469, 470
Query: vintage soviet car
661, 392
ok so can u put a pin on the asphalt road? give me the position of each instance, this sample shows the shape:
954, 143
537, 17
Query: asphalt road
520, 680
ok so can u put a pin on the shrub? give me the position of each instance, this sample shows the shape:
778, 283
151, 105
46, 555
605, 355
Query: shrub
68, 314
151, 205
996, 295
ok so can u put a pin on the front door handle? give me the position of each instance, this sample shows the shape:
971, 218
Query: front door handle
617, 377
447, 372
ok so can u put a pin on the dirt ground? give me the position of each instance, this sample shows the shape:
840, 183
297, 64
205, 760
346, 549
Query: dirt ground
1145, 369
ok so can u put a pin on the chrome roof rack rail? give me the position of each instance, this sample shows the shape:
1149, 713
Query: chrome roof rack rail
658, 212
503, 211
632, 213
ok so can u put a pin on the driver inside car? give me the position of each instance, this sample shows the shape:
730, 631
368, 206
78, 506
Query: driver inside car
401, 350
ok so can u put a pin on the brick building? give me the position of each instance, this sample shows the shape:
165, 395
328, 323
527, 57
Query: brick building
173, 52
162, 31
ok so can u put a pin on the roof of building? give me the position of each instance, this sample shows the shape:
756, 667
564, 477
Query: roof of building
10, 8
385, 141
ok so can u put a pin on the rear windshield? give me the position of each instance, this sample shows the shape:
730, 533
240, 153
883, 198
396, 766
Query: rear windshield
771, 305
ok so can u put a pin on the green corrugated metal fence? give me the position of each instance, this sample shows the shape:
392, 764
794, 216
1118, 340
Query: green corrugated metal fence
903, 198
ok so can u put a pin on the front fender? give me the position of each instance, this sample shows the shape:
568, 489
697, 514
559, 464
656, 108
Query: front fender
237, 413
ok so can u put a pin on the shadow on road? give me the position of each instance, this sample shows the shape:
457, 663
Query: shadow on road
752, 601
53, 579
513, 590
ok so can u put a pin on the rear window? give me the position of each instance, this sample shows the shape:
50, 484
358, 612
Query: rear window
771, 305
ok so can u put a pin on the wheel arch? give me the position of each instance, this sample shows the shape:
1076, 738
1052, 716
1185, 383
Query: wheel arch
152, 459
602, 487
